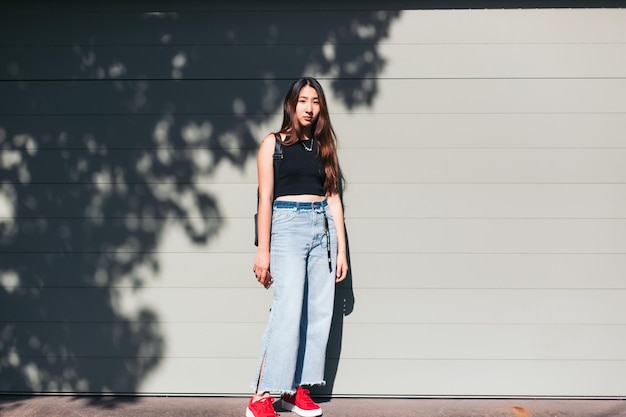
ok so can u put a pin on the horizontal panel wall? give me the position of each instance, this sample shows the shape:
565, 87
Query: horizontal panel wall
382, 236
391, 305
86, 26
466, 341
431, 166
475, 346
436, 375
471, 130
484, 197
376, 270
395, 96
435, 61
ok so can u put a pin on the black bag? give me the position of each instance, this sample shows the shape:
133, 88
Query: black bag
278, 156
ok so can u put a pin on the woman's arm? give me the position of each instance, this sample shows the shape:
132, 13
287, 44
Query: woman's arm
336, 209
265, 168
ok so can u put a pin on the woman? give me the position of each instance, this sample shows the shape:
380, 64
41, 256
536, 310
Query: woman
301, 240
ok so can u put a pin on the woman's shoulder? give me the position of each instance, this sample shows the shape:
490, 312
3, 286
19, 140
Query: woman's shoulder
268, 142
270, 137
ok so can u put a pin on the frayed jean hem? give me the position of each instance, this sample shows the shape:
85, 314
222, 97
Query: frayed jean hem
314, 384
291, 391
273, 391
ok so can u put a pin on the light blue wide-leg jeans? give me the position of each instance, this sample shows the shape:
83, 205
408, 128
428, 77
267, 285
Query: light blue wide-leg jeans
293, 348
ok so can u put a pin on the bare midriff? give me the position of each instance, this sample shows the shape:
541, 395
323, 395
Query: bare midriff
302, 198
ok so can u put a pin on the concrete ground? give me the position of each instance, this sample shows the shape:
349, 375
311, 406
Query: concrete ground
69, 406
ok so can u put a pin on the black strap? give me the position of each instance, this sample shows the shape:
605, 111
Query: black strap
278, 157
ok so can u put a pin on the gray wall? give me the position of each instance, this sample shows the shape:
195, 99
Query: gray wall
485, 195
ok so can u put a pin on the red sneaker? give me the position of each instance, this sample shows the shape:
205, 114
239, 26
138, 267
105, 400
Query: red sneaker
261, 408
301, 403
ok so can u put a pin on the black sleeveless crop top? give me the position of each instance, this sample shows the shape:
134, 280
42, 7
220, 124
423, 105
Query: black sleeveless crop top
300, 171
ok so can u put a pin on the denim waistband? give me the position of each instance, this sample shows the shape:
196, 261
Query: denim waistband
282, 204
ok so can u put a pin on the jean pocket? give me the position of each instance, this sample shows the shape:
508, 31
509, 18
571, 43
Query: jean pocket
283, 216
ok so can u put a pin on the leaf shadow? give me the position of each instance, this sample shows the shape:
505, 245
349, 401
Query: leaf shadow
110, 134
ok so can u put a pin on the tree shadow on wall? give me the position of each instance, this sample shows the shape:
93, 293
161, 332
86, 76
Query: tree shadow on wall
112, 126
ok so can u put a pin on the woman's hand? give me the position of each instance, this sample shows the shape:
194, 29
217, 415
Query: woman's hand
261, 268
342, 267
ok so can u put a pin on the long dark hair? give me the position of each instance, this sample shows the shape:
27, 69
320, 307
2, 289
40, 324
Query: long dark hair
323, 132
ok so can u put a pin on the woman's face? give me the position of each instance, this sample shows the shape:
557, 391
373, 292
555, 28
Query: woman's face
308, 107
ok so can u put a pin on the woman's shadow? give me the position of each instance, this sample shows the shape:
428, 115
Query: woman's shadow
344, 305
